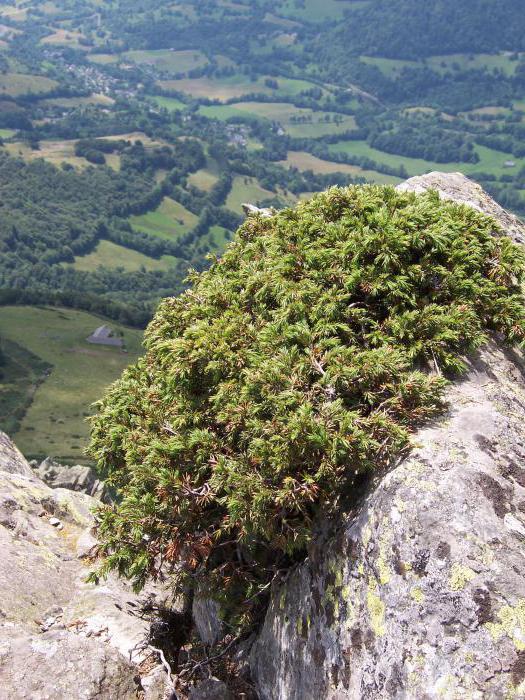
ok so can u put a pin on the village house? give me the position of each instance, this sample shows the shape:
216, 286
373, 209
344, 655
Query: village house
103, 335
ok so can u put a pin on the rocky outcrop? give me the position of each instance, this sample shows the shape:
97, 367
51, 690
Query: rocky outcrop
76, 478
420, 592
458, 188
61, 637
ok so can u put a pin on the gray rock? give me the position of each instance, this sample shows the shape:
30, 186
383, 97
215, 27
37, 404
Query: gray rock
419, 593
210, 689
59, 664
75, 478
457, 187
206, 619
11, 459
252, 210
60, 637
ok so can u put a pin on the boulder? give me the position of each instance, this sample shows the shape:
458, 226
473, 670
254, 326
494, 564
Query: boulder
419, 592
458, 188
75, 478
210, 689
60, 637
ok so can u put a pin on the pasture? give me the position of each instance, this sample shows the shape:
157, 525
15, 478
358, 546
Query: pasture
17, 84
237, 86
296, 121
55, 422
74, 102
306, 161
104, 59
65, 37
170, 220
169, 61
203, 179
491, 161
318, 10
112, 255
57, 152
246, 189
169, 103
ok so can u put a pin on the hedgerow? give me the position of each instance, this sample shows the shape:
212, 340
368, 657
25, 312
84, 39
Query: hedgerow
301, 360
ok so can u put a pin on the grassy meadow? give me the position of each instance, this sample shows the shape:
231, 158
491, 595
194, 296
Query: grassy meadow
169, 61
246, 189
112, 255
55, 421
491, 161
170, 220
306, 161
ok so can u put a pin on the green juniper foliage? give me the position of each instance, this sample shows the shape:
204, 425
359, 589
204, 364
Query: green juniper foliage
302, 358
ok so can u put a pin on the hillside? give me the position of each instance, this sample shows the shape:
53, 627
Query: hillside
408, 29
133, 132
52, 375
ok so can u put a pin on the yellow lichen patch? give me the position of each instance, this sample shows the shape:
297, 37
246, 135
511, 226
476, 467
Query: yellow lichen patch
367, 534
417, 594
460, 575
511, 624
346, 593
414, 471
400, 505
376, 609
385, 546
516, 691
447, 687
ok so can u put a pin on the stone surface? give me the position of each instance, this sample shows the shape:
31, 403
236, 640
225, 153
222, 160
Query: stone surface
75, 478
211, 689
60, 637
420, 593
252, 210
11, 459
205, 613
457, 187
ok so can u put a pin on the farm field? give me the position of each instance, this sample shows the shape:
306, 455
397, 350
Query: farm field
246, 189
215, 89
17, 84
392, 67
64, 37
112, 255
104, 59
237, 85
55, 152
55, 421
296, 121
219, 237
169, 61
72, 102
502, 62
170, 220
169, 103
491, 161
14, 13
306, 161
318, 10
203, 179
